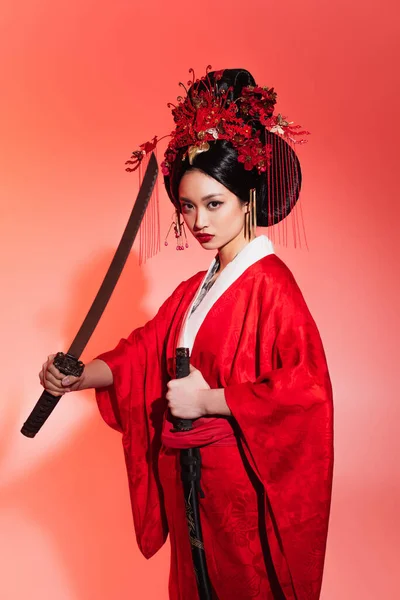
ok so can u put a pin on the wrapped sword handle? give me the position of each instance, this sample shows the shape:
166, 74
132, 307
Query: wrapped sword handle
66, 364
182, 370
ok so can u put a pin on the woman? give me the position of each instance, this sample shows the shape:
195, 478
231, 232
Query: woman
258, 388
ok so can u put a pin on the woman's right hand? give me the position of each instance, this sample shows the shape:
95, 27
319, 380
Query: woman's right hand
56, 382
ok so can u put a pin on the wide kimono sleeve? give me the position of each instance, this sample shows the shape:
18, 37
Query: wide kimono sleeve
134, 405
285, 417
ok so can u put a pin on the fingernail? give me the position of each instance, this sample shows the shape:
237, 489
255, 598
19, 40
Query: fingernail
66, 381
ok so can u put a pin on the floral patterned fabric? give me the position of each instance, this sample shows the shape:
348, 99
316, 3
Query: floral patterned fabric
267, 497
207, 285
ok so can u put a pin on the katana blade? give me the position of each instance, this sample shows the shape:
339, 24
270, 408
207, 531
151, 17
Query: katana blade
47, 401
118, 262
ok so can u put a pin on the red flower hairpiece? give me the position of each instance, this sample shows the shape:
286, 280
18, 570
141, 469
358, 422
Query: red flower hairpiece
206, 114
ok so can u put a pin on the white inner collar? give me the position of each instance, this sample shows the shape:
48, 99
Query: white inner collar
258, 248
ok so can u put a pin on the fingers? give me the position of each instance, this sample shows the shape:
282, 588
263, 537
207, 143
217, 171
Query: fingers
52, 385
54, 388
42, 374
69, 382
169, 396
51, 378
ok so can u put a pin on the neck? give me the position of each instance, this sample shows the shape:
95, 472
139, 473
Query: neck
228, 252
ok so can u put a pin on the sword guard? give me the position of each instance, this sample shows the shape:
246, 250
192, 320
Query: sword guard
68, 364
181, 425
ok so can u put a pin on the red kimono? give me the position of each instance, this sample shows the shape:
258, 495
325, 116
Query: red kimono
267, 494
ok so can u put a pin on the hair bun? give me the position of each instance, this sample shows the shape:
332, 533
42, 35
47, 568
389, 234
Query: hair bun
236, 79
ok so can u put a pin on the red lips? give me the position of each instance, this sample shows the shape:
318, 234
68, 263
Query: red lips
204, 237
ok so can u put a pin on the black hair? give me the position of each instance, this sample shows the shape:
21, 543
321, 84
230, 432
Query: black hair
276, 191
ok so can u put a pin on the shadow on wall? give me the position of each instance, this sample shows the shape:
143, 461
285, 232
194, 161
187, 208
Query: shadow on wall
79, 496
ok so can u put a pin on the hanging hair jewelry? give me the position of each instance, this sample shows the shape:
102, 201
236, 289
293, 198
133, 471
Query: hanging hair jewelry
250, 217
179, 232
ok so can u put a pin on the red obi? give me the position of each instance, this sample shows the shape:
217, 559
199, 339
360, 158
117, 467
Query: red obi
206, 430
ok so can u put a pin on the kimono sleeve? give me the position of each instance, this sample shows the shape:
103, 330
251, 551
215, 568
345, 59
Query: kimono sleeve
135, 358
285, 418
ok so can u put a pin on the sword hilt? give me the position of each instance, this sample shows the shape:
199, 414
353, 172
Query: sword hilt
182, 370
66, 364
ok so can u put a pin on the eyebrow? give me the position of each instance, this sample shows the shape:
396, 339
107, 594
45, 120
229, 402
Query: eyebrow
183, 199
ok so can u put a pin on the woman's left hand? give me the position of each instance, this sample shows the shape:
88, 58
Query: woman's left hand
185, 398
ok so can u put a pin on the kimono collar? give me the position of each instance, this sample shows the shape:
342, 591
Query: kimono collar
255, 250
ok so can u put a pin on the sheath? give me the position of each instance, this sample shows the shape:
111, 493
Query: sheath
267, 470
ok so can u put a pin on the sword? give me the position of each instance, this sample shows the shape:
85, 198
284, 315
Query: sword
190, 460
69, 363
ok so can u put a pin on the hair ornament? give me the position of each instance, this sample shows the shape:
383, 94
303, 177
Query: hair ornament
228, 105
207, 114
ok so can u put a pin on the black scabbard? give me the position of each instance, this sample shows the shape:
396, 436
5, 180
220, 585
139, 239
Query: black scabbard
190, 460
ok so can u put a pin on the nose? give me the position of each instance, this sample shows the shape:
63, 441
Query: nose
201, 220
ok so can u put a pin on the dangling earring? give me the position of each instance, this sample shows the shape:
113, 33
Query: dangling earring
179, 231
250, 217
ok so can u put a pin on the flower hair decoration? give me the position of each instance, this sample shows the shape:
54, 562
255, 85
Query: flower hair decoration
206, 114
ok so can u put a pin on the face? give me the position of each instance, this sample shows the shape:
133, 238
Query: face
213, 214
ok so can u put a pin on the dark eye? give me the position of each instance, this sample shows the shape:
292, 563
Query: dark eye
186, 206
214, 204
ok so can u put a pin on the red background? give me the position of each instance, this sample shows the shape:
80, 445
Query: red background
82, 84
